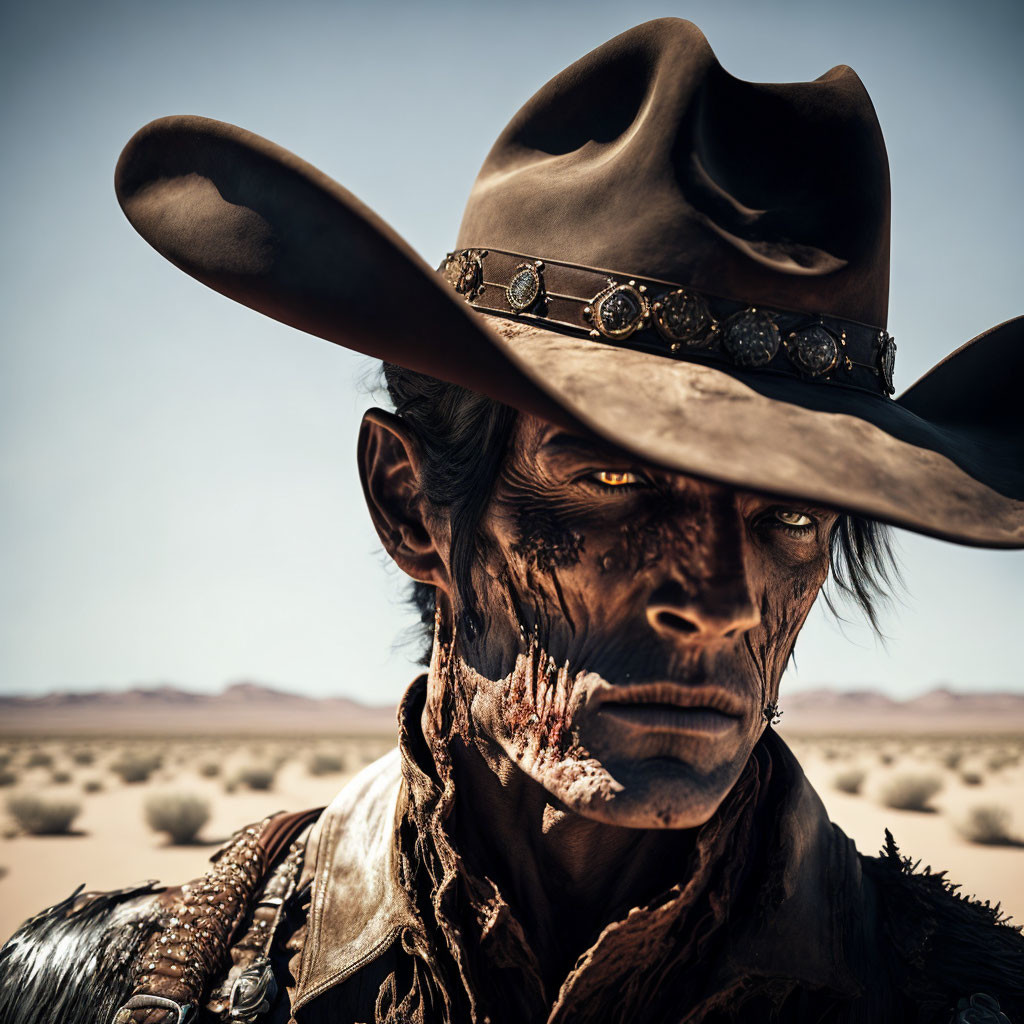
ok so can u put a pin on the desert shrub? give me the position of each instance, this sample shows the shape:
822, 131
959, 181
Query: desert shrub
830, 753
886, 757
7, 777
1003, 760
42, 817
180, 815
83, 756
256, 776
209, 769
136, 767
61, 778
972, 778
850, 781
39, 759
324, 763
92, 786
988, 825
911, 792
5, 759
952, 758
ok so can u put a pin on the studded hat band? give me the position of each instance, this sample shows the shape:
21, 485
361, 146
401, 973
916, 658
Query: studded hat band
672, 320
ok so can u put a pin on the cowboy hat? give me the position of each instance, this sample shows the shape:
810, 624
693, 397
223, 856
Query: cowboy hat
691, 266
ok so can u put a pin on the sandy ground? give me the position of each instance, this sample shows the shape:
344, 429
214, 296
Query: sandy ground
111, 846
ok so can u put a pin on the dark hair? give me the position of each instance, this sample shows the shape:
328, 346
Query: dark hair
463, 439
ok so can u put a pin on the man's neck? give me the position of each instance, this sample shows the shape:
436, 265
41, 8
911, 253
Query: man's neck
564, 876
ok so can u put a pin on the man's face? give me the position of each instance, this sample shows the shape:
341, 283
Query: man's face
634, 626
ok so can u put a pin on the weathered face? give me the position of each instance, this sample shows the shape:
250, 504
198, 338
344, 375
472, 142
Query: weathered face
633, 626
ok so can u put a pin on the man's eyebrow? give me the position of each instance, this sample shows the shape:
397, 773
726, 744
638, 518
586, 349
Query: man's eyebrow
564, 443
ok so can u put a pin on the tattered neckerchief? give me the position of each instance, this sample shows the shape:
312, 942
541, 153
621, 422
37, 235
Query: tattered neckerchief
472, 962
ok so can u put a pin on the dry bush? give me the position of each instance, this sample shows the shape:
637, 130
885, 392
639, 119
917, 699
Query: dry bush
61, 778
988, 825
850, 781
136, 767
42, 817
972, 778
256, 776
886, 757
1003, 759
325, 763
911, 792
209, 769
180, 815
952, 758
8, 778
39, 759
83, 756
92, 786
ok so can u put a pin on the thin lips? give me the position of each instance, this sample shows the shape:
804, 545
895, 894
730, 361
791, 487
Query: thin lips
705, 697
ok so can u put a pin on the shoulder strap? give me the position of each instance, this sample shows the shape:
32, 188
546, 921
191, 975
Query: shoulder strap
280, 830
194, 936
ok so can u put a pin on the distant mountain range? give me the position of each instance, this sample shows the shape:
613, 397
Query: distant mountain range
938, 710
239, 709
250, 708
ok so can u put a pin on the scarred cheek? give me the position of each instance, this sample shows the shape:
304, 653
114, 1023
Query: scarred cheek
536, 704
632, 549
784, 608
545, 542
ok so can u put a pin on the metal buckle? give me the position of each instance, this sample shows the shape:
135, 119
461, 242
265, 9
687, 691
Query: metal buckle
145, 1001
253, 992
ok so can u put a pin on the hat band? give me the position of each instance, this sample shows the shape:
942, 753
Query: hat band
673, 320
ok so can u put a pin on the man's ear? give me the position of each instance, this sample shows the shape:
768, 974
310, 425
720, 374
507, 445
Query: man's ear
389, 468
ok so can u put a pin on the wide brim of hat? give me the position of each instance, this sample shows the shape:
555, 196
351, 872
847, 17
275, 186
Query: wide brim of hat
258, 224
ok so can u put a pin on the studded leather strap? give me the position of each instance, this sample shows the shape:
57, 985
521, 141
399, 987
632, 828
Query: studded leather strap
195, 933
672, 320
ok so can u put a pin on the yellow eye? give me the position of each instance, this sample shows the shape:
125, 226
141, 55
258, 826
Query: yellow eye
613, 479
791, 518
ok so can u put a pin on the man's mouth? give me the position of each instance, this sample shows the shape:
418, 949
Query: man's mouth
671, 707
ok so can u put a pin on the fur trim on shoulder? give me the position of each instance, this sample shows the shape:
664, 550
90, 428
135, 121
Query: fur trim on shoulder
75, 962
949, 946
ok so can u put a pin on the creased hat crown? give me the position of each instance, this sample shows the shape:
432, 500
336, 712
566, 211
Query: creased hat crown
647, 158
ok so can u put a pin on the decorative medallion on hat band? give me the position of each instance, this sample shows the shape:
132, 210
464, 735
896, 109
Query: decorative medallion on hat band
619, 310
464, 271
751, 337
673, 320
682, 318
525, 287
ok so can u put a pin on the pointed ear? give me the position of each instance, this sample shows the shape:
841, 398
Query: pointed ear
389, 468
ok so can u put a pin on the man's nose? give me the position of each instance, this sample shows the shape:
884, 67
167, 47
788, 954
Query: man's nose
715, 610
706, 596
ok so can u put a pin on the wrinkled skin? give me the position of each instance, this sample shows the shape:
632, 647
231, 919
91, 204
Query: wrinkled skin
670, 581
601, 578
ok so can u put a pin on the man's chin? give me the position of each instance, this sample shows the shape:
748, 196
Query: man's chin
659, 793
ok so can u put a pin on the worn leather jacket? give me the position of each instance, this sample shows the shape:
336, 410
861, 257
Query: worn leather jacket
323, 923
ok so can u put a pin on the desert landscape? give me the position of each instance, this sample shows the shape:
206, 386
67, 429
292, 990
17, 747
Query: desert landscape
93, 791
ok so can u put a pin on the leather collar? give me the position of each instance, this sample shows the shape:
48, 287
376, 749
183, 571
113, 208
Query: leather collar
359, 907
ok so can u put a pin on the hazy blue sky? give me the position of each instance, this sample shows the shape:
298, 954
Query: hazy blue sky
179, 494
